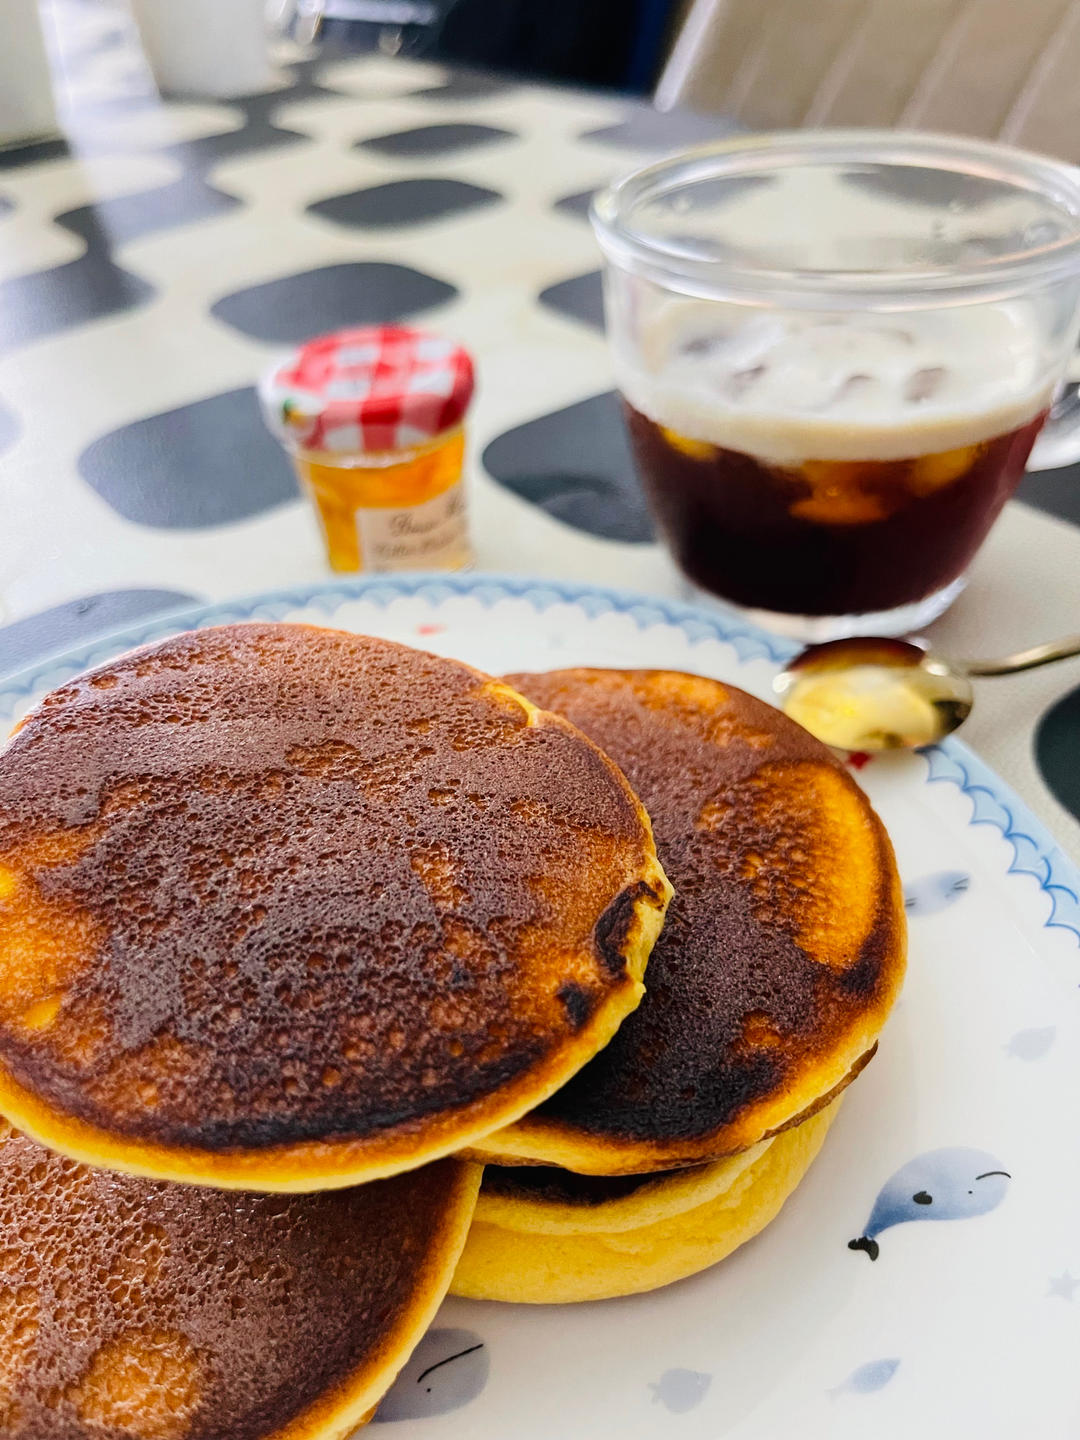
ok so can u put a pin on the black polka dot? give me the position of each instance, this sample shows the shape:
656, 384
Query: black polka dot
365, 293
208, 463
27, 641
1057, 492
48, 301
434, 139
129, 216
17, 156
582, 298
403, 202
576, 204
1057, 744
576, 465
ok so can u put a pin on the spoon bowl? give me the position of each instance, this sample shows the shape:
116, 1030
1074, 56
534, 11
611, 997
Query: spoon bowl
869, 693
875, 694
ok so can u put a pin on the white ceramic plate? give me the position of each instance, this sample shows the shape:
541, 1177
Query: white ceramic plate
968, 1322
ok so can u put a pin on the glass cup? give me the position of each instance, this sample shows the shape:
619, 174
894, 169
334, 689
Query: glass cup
835, 352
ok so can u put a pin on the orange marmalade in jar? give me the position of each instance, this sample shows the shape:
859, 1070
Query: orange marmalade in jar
374, 421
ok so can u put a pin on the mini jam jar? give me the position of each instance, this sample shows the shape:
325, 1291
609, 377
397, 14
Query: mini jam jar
374, 421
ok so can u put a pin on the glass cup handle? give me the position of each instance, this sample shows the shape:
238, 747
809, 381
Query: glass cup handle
1058, 442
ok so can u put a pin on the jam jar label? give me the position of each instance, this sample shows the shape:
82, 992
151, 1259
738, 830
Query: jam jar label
430, 536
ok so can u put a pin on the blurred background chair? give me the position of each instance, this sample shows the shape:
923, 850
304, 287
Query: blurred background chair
1004, 69
610, 44
393, 26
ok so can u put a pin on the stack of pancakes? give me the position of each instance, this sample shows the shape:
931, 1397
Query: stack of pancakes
285, 909
778, 963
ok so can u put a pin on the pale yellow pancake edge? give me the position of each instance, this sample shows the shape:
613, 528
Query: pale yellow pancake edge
534, 1269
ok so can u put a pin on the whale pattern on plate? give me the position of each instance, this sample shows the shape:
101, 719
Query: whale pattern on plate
866, 1379
1063, 1286
954, 1183
930, 894
1031, 1044
680, 1390
446, 1370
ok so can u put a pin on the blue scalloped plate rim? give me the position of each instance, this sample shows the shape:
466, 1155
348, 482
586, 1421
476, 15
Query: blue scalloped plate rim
1035, 852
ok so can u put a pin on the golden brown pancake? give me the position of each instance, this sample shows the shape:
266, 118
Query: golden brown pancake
783, 948
560, 1267
138, 1310
286, 908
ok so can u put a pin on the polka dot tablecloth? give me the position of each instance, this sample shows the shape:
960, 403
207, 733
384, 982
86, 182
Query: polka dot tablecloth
153, 263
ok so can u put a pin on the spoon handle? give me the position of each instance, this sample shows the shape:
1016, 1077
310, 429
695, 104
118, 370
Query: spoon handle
1027, 659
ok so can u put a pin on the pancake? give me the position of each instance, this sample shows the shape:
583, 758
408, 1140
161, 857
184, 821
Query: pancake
783, 949
138, 1310
544, 1200
531, 1268
284, 908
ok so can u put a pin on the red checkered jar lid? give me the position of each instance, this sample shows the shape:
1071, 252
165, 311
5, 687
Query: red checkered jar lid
361, 392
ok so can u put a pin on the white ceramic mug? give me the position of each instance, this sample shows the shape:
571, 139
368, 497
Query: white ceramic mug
205, 47
27, 111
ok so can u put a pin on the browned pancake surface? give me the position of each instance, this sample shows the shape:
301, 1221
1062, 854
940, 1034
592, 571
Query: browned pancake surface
139, 1310
272, 884
783, 947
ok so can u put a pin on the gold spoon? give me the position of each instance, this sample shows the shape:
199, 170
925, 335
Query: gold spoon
876, 694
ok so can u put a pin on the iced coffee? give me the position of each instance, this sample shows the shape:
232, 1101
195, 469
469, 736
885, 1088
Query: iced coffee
836, 350
830, 465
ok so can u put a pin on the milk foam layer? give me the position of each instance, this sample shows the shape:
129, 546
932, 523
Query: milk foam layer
787, 388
